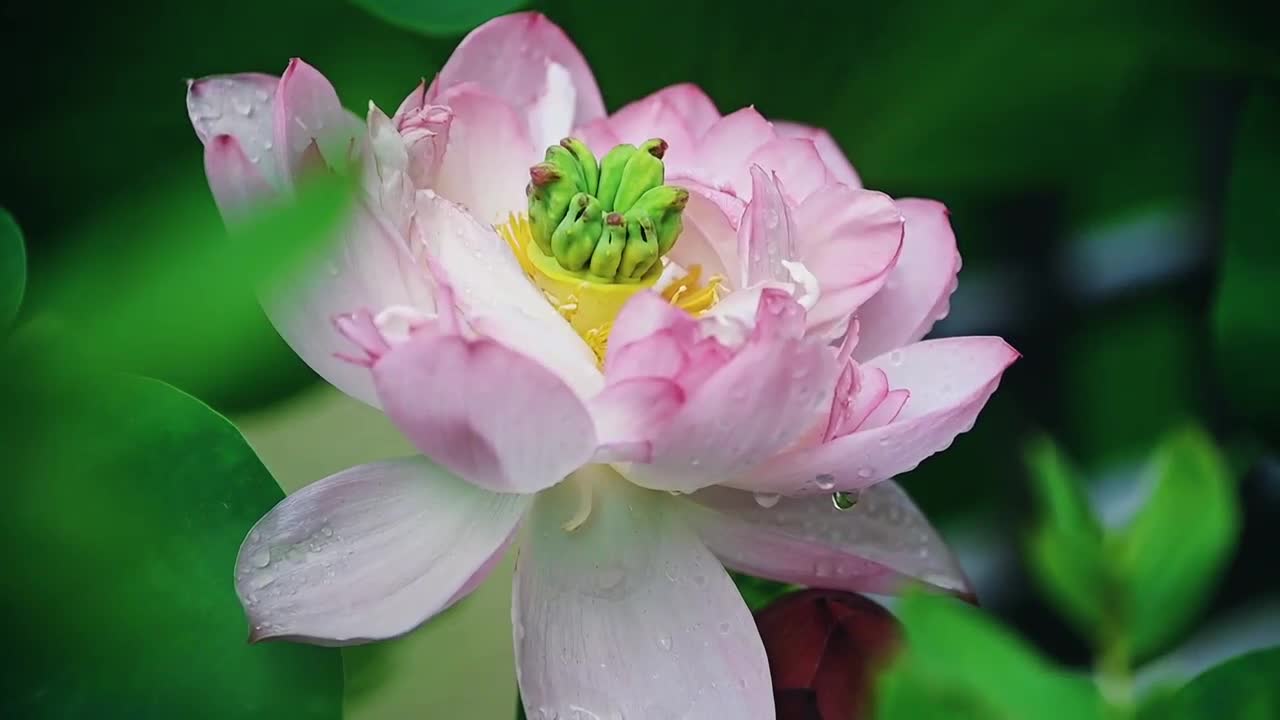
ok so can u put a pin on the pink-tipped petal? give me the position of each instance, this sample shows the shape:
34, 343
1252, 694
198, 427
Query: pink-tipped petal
495, 417
656, 117
370, 553
850, 240
307, 112
747, 398
239, 106
625, 412
918, 289
767, 234
234, 179
494, 295
831, 153
629, 616
510, 56
796, 162
949, 380
365, 265
486, 166
692, 104
879, 545
728, 144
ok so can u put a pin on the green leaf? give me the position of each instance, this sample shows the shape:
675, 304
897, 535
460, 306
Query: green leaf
1178, 543
1243, 688
13, 269
956, 663
1246, 334
130, 500
1065, 549
439, 17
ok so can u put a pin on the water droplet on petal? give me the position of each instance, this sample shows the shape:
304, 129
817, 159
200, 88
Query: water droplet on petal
664, 641
825, 481
767, 500
724, 628
895, 358
865, 472
326, 531
261, 557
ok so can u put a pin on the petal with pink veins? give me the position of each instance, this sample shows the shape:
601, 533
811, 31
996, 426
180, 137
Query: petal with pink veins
949, 381
918, 289
307, 111
365, 265
509, 57
850, 240
486, 165
370, 553
496, 297
879, 545
629, 615
831, 153
750, 391
239, 106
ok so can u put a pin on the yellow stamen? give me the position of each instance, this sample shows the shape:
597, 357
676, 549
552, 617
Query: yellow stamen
591, 306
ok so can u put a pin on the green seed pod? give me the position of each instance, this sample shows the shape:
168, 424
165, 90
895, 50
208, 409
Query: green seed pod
564, 161
641, 251
576, 237
608, 255
643, 172
665, 206
550, 193
611, 167
586, 162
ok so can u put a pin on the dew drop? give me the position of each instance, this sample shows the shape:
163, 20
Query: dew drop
884, 440
609, 578
664, 641
825, 481
700, 580
724, 628
865, 472
895, 358
844, 500
266, 145
767, 500
326, 531
262, 557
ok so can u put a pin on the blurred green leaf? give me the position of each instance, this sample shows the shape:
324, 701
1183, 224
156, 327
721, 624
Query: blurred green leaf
759, 592
956, 663
130, 500
438, 17
159, 287
1174, 550
1066, 547
1243, 688
1246, 334
13, 269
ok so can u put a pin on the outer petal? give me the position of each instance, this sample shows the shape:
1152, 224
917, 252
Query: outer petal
679, 114
307, 110
239, 106
918, 289
949, 381
728, 144
831, 153
495, 417
370, 553
234, 179
366, 266
486, 165
496, 297
744, 402
510, 56
849, 239
796, 161
630, 616
879, 545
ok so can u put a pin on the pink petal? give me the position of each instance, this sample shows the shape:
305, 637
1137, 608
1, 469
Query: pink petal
850, 240
949, 380
831, 153
630, 616
486, 166
239, 106
879, 545
625, 412
424, 128
918, 289
658, 116
767, 233
796, 162
692, 104
745, 402
709, 238
598, 135
728, 144
495, 417
366, 265
307, 110
509, 57
234, 179
370, 553
496, 297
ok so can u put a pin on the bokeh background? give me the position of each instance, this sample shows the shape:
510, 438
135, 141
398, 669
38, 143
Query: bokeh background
1111, 170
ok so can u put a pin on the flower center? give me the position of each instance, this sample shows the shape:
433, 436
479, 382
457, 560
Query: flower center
596, 234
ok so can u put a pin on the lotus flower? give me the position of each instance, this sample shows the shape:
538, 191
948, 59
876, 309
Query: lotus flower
633, 430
